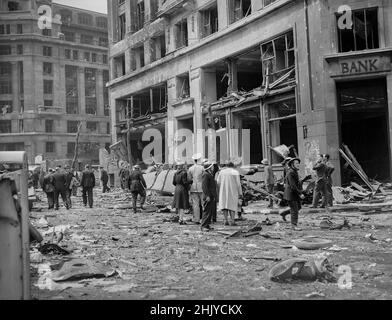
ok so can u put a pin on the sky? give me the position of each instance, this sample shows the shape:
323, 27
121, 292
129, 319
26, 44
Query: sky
94, 5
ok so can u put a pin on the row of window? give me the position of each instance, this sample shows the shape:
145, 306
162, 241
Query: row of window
72, 126
83, 18
86, 39
6, 29
87, 56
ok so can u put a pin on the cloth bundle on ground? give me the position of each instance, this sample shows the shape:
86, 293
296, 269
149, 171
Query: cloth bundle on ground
302, 269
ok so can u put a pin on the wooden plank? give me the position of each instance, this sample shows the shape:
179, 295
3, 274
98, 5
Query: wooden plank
358, 187
354, 160
356, 170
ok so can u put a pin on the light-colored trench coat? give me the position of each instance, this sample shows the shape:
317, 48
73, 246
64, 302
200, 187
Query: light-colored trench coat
230, 190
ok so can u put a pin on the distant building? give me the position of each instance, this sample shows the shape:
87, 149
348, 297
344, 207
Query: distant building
290, 71
53, 78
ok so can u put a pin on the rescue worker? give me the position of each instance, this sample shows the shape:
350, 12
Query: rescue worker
320, 187
330, 170
209, 196
87, 183
195, 173
48, 186
138, 186
269, 180
293, 191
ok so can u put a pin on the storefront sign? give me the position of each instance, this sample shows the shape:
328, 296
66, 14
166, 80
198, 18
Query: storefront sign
341, 67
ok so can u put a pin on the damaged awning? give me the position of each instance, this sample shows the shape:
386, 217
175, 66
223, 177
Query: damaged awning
143, 123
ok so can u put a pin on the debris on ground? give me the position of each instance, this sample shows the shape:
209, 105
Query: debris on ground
303, 269
312, 243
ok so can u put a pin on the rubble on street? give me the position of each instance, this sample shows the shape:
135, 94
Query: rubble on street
112, 253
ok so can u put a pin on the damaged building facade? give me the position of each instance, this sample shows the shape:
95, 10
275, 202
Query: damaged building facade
290, 72
53, 75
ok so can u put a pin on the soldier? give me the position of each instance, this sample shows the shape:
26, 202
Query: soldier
137, 185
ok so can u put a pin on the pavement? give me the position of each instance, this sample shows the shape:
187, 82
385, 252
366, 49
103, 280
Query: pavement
143, 257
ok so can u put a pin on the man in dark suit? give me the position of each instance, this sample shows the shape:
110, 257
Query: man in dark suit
48, 186
87, 183
137, 185
209, 188
60, 189
293, 191
105, 180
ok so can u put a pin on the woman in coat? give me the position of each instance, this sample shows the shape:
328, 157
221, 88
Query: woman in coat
181, 196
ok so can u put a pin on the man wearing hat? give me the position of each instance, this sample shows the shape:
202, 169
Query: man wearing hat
293, 191
195, 174
87, 183
209, 196
269, 180
48, 186
137, 185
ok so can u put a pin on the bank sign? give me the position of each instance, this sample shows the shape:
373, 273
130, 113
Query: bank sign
341, 67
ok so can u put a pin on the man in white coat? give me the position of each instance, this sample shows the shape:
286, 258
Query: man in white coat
230, 192
195, 174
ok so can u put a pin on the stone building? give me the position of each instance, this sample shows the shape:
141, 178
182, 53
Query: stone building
292, 72
53, 74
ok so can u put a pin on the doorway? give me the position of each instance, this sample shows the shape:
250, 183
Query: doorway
363, 110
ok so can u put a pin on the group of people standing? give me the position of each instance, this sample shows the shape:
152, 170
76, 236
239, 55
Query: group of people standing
205, 189
64, 183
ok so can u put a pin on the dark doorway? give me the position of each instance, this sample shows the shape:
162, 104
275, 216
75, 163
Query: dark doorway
363, 109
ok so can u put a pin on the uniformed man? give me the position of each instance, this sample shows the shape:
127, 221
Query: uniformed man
138, 186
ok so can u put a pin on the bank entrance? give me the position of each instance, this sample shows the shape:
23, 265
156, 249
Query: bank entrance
363, 110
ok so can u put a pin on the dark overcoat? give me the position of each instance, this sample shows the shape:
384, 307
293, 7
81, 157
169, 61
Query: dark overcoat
181, 196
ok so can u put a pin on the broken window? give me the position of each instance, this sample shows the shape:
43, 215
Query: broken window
119, 66
71, 89
140, 11
283, 126
209, 20
158, 47
240, 9
159, 98
183, 89
364, 33
181, 34
278, 57
121, 27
